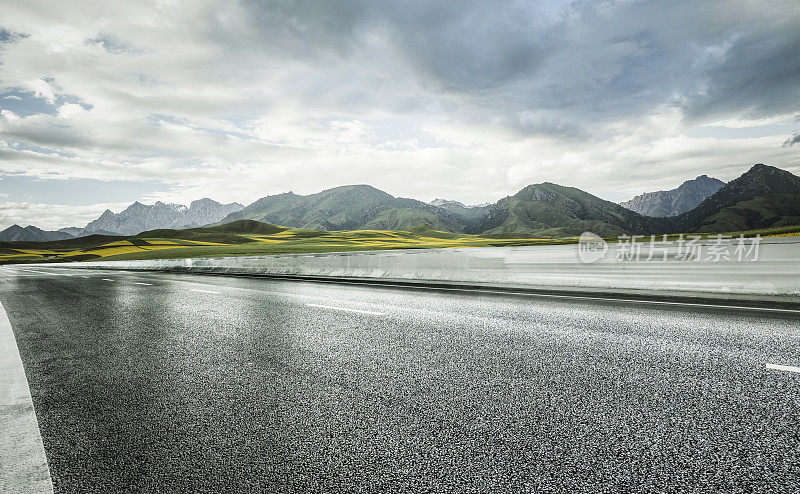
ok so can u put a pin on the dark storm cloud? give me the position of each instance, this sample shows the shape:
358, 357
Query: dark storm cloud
582, 60
792, 140
7, 36
472, 46
305, 28
463, 45
760, 75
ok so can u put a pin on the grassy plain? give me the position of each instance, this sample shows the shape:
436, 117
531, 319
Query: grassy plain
251, 238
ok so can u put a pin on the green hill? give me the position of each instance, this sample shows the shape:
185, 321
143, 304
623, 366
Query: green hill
70, 243
763, 197
556, 211
229, 233
350, 207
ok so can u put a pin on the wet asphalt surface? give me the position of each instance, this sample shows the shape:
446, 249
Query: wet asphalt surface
243, 386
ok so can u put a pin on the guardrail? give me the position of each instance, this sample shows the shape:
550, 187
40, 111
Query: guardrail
773, 274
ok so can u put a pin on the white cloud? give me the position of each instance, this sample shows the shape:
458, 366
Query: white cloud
51, 216
9, 115
70, 110
234, 102
41, 89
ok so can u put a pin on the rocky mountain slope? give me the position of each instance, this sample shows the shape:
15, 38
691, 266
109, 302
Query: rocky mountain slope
140, 217
30, 233
555, 211
467, 214
762, 197
676, 201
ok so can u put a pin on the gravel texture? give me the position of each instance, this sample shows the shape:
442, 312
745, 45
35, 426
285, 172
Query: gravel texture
153, 388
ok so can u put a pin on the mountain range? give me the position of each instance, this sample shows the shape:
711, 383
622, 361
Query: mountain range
30, 233
139, 217
468, 213
676, 201
762, 197
553, 210
350, 207
136, 218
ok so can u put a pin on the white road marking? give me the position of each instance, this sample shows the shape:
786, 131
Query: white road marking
22, 453
203, 291
787, 368
106, 279
546, 295
42, 272
565, 296
140, 283
345, 309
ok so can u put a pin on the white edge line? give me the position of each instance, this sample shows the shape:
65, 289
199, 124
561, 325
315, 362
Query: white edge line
105, 279
42, 272
553, 295
569, 296
345, 309
20, 438
140, 283
787, 368
202, 291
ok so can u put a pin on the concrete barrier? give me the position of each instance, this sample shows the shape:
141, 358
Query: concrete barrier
722, 269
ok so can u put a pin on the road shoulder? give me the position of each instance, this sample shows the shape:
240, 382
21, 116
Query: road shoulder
23, 463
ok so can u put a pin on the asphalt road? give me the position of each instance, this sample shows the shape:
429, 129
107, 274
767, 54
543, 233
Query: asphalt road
159, 382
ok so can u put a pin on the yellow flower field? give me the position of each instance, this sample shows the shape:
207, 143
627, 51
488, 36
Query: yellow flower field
288, 240
225, 240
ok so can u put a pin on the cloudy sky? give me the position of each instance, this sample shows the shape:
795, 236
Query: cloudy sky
103, 103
